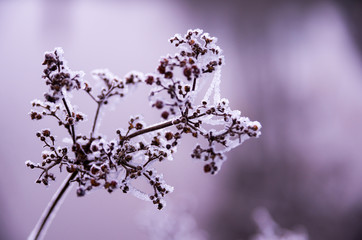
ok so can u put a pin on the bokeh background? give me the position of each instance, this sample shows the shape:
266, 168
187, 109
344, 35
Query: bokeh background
293, 65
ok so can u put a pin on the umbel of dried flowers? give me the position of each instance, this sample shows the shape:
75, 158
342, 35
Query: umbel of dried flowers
176, 85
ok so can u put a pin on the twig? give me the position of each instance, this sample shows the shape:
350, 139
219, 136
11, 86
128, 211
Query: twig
69, 114
53, 206
159, 126
51, 210
95, 119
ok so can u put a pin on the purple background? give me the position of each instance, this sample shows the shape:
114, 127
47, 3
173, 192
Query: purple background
295, 67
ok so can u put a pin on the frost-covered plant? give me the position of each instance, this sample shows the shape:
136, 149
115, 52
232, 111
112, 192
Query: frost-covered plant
95, 163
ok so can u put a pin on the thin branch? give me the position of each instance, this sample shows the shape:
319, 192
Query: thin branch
69, 114
43, 222
100, 104
53, 205
194, 84
95, 119
159, 126
91, 95
128, 165
151, 129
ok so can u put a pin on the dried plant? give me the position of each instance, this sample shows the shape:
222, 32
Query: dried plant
95, 163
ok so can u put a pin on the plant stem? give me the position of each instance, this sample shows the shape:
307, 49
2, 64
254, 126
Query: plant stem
69, 114
54, 204
51, 210
96, 118
194, 84
150, 129
159, 126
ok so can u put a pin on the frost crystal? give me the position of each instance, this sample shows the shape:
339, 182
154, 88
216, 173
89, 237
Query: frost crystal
95, 162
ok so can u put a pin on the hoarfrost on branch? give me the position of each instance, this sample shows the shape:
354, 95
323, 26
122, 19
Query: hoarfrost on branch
176, 85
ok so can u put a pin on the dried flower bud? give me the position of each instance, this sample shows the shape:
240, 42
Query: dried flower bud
80, 192
159, 104
164, 115
168, 136
46, 133
168, 75
149, 80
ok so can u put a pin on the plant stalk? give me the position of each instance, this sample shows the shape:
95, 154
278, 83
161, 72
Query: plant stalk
158, 127
95, 119
49, 213
54, 204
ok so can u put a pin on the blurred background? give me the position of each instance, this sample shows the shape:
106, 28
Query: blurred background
295, 66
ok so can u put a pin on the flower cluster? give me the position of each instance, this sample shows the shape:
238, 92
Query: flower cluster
198, 56
58, 76
95, 163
